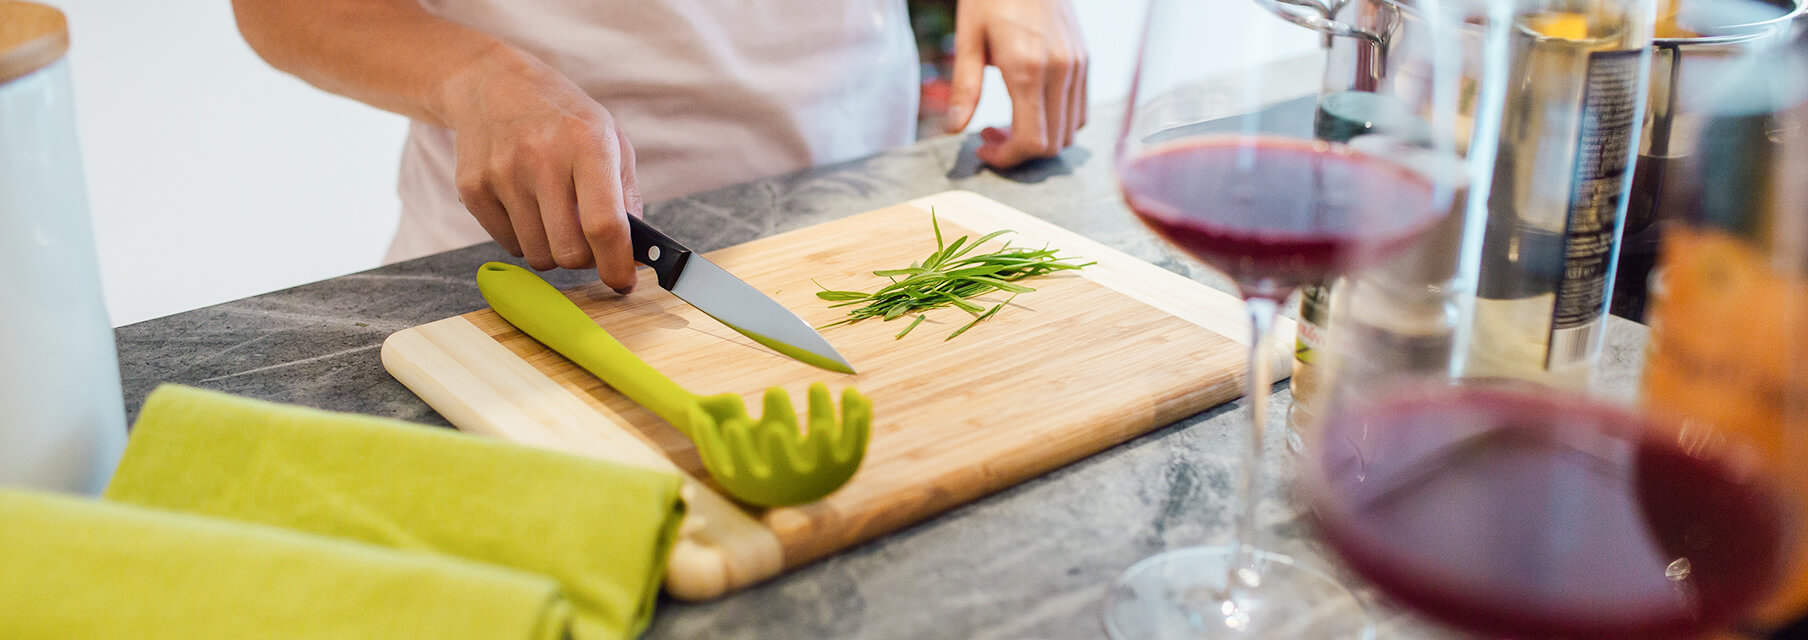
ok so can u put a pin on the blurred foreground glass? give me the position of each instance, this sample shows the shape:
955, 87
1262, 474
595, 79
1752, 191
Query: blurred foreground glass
1508, 509
1220, 156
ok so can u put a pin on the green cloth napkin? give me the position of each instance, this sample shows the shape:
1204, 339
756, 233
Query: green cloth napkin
82, 568
602, 530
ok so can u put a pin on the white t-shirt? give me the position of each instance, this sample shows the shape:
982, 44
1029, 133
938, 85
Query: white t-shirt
710, 92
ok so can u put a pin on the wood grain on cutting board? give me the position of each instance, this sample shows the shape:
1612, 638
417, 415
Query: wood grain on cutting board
1085, 362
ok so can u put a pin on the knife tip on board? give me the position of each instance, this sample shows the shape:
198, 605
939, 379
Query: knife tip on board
831, 360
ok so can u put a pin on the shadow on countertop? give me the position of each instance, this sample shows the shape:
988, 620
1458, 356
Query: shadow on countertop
967, 164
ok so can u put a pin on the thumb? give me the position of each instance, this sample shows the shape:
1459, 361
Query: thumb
630, 181
969, 73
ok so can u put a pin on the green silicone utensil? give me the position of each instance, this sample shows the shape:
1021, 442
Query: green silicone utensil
766, 462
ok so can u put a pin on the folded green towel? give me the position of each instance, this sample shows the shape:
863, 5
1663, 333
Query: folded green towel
83, 568
602, 530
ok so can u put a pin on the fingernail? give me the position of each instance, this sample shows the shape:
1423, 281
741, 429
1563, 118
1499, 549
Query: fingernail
993, 134
625, 290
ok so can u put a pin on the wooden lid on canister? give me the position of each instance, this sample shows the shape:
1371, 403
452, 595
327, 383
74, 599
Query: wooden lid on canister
32, 36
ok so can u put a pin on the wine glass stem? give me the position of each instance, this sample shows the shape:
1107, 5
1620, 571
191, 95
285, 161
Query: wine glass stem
1244, 540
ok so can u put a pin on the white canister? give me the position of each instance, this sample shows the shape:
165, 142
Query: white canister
62, 417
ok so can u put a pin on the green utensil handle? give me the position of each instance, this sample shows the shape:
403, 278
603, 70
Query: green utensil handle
545, 314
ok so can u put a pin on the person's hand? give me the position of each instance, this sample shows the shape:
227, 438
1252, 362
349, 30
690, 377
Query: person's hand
542, 166
1036, 46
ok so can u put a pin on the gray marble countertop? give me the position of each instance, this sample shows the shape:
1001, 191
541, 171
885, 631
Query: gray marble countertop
1033, 561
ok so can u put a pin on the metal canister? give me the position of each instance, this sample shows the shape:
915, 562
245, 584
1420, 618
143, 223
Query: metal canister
1684, 71
62, 420
1684, 68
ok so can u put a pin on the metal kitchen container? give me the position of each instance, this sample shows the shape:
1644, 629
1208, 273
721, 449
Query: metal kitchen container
1683, 70
62, 419
1684, 75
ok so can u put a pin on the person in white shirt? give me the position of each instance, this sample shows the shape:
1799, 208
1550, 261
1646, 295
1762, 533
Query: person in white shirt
542, 124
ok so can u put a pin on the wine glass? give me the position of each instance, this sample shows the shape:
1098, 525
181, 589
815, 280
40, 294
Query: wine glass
1219, 157
1509, 508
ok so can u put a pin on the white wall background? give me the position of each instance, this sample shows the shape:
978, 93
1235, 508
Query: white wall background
212, 177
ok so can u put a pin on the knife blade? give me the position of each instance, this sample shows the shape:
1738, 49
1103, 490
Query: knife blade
730, 301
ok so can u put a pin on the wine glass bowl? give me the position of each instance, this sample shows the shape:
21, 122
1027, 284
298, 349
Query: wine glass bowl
1273, 212
1516, 511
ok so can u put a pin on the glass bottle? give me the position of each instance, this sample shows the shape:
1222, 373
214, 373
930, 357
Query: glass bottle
1575, 85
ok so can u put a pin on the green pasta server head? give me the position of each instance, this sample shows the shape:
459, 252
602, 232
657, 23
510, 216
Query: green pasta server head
768, 461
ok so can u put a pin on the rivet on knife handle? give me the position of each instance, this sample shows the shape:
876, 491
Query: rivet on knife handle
659, 251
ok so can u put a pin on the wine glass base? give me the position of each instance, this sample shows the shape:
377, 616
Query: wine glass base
1296, 443
1296, 429
1182, 594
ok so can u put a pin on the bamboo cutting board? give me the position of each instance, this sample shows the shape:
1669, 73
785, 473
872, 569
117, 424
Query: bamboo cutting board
1083, 363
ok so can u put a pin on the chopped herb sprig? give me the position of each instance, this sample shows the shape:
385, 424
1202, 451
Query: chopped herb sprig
947, 278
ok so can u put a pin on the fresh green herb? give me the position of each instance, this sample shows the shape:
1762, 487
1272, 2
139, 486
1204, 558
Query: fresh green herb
948, 277
913, 325
977, 320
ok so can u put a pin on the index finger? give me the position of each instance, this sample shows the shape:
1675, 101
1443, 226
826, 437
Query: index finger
1029, 121
602, 213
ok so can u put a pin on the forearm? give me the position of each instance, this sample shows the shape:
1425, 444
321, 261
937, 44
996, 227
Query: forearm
391, 54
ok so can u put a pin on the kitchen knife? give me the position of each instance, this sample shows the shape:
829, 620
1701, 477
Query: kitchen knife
729, 300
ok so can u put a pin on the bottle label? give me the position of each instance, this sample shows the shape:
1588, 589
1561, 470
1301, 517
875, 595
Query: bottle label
1603, 148
1315, 309
1308, 368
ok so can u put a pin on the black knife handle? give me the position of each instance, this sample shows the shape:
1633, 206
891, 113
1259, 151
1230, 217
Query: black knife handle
659, 251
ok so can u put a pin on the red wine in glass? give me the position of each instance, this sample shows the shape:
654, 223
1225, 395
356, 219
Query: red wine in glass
1520, 513
1273, 213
